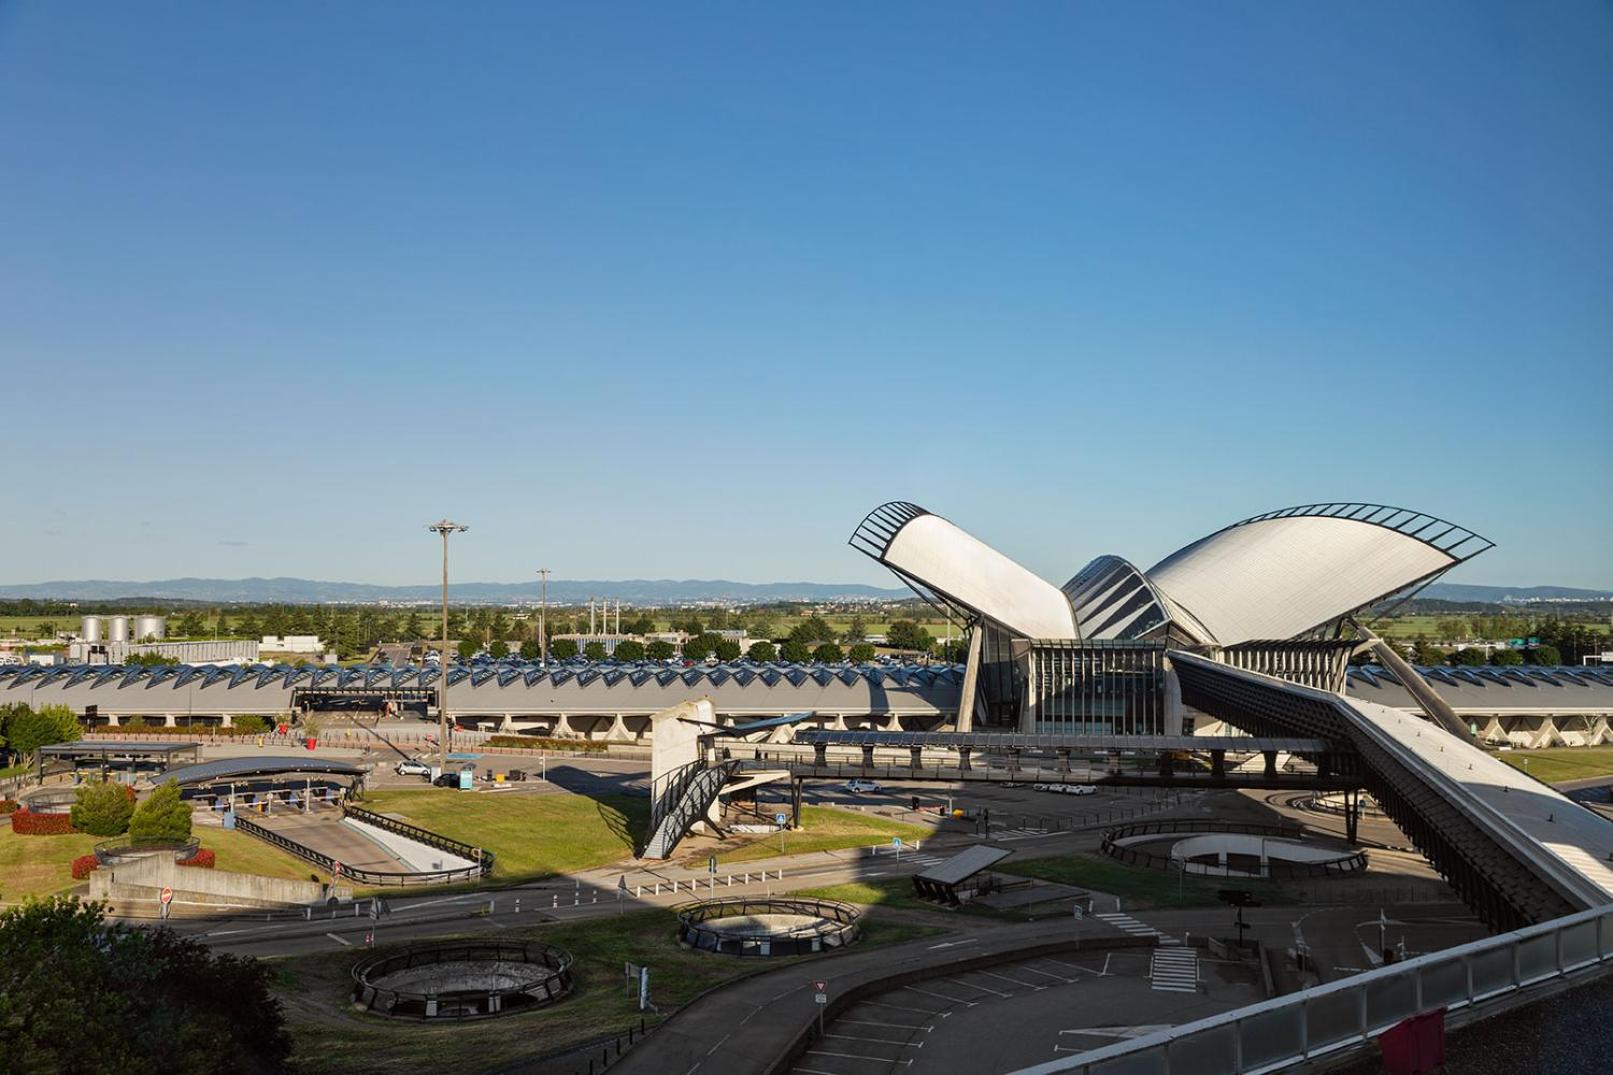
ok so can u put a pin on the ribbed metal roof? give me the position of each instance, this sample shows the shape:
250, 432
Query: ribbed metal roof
225, 768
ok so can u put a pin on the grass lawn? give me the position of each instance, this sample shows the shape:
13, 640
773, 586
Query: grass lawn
1562, 763
1136, 887
532, 835
38, 865
825, 828
240, 853
330, 1036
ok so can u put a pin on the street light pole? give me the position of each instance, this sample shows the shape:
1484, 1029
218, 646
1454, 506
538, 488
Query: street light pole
543, 621
444, 527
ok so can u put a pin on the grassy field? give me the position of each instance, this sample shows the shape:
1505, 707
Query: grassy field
1135, 886
824, 828
330, 1036
38, 865
532, 835
1556, 764
1409, 627
240, 853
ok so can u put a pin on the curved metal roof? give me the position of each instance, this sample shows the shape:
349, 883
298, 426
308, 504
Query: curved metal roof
226, 768
1289, 572
949, 566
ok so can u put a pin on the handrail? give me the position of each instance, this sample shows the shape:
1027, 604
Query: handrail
377, 878
422, 1004
424, 836
1274, 1034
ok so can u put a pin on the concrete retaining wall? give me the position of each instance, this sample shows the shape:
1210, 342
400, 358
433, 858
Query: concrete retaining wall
144, 879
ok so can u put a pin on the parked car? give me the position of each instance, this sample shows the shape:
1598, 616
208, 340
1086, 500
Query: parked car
1081, 789
412, 767
861, 787
1040, 787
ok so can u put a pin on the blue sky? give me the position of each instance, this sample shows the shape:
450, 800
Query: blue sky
684, 290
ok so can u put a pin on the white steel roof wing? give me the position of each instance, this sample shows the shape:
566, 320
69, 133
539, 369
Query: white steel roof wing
1282, 575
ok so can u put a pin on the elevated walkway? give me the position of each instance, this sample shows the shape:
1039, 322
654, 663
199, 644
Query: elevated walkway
1518, 851
689, 800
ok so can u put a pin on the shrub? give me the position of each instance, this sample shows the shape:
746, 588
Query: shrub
539, 742
828, 653
629, 650
163, 816
726, 650
563, 649
7, 805
660, 650
103, 809
203, 859
794, 652
762, 652
84, 865
247, 724
24, 822
861, 653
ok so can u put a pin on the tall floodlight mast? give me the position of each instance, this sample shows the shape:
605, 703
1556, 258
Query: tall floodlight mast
444, 527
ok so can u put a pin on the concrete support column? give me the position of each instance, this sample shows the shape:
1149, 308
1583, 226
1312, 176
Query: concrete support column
1013, 759
868, 759
1165, 764
112, 720
820, 755
1064, 759
169, 721
839, 723
1218, 765
1271, 764
508, 723
963, 758
915, 758
971, 677
563, 728
226, 721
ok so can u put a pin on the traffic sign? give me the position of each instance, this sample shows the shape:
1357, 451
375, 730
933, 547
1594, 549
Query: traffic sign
896, 841
820, 986
335, 870
821, 998
167, 895
711, 865
779, 820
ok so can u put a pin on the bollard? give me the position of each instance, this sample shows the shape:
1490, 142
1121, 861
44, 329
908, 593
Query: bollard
638, 890
557, 899
518, 905
307, 914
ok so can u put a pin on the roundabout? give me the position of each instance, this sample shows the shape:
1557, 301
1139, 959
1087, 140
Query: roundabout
768, 926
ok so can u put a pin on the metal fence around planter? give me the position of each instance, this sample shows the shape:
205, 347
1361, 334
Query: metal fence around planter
357, 875
123, 848
551, 979
1281, 870
833, 925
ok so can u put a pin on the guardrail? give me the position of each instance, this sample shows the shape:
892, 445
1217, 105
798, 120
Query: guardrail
1276, 1034
828, 924
1280, 870
358, 875
422, 836
458, 1003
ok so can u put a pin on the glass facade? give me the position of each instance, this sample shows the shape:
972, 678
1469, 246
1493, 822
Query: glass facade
1096, 687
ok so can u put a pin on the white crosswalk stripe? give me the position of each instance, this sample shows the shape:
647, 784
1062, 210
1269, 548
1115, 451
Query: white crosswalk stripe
1175, 970
1128, 924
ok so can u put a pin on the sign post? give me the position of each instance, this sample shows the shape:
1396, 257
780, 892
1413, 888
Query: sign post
896, 847
621, 892
165, 899
820, 996
781, 821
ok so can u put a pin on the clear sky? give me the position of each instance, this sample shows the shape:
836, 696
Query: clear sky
683, 290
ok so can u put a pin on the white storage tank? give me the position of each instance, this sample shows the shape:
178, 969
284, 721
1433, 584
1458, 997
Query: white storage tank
117, 629
89, 629
149, 627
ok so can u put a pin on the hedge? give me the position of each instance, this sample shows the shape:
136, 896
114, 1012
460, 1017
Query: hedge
25, 822
84, 865
200, 728
533, 742
203, 858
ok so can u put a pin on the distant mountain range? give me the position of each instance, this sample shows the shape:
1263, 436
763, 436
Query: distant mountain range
1508, 595
561, 591
572, 592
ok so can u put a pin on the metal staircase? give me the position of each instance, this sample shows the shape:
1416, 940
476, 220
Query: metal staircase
683, 799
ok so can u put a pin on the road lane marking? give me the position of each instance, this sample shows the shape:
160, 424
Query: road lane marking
1047, 974
982, 988
1015, 981
858, 1056
893, 1026
340, 940
955, 944
877, 1041
903, 1007
941, 996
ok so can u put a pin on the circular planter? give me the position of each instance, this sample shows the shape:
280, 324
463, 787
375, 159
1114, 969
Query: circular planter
768, 926
473, 980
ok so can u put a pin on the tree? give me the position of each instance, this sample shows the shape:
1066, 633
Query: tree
726, 650
1545, 654
1471, 656
954, 652
812, 630
47, 630
190, 625
794, 652
103, 809
828, 653
563, 649
760, 626
27, 729
629, 650
861, 653
1505, 658
698, 648
594, 651
857, 630
531, 650
762, 652
221, 626
905, 634
499, 650
467, 649
660, 649
163, 816
83, 995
